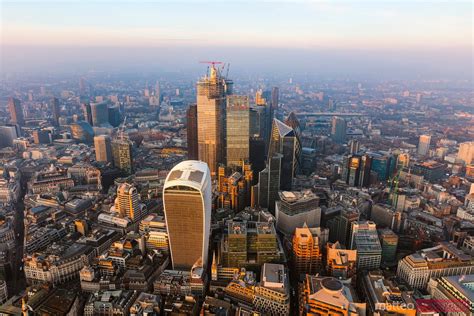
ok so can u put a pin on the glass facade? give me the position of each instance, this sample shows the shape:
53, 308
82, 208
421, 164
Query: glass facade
237, 130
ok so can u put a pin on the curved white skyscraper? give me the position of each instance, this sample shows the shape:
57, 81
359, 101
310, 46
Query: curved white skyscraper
187, 206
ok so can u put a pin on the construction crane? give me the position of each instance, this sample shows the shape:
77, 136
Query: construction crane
213, 64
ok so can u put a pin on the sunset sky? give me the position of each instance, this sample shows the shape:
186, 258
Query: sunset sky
405, 26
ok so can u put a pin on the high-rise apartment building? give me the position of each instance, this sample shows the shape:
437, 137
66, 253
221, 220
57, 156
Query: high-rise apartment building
127, 202
212, 91
192, 131
16, 111
466, 152
103, 148
307, 255
338, 130
424, 145
187, 200
122, 155
237, 130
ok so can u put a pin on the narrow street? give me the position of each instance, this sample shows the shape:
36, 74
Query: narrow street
18, 276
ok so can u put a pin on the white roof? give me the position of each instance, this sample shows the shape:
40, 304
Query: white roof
192, 173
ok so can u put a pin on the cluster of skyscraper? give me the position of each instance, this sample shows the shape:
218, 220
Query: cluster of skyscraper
231, 141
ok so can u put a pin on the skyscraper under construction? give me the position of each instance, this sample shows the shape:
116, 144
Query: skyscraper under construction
212, 90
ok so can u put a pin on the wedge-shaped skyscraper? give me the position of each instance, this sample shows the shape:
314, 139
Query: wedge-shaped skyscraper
187, 205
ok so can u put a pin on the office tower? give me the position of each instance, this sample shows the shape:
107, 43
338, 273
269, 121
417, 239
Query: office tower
234, 187
7, 134
383, 164
257, 154
340, 262
424, 145
249, 245
100, 113
389, 242
263, 115
127, 202
192, 131
292, 121
114, 116
365, 240
87, 112
307, 254
187, 200
237, 130
42, 136
356, 170
442, 260
82, 131
16, 111
55, 110
283, 141
257, 118
122, 155
269, 183
103, 148
466, 152
328, 296
211, 102
296, 209
340, 226
354, 146
338, 130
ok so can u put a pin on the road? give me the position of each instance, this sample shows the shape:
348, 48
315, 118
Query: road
18, 276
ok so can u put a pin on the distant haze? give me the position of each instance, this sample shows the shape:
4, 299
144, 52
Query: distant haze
399, 39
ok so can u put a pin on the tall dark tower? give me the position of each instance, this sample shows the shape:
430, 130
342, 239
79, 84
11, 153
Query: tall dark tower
55, 110
192, 132
16, 111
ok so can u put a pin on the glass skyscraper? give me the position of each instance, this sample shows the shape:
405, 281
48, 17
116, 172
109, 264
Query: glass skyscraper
237, 130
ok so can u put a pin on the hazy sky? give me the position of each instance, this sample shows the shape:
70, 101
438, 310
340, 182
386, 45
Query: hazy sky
432, 36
